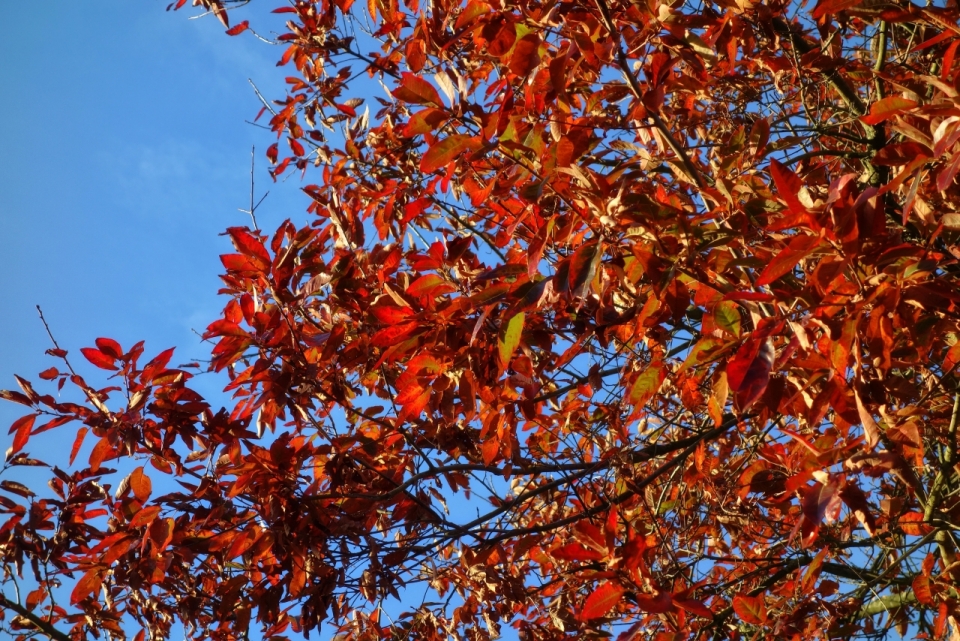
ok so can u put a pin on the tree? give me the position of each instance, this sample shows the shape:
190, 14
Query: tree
610, 318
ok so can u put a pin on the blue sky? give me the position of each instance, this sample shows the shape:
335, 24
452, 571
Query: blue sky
124, 155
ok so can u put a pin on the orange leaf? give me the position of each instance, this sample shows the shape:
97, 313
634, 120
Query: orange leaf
77, 442
88, 584
145, 516
887, 108
445, 151
799, 248
921, 589
140, 484
647, 383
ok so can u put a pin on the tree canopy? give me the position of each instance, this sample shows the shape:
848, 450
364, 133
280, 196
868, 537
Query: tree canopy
608, 318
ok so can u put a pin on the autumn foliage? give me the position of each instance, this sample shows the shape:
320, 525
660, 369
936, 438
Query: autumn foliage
610, 318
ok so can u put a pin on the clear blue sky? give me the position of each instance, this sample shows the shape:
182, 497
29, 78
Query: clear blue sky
124, 154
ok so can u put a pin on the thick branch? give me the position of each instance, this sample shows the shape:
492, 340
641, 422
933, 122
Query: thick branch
39, 623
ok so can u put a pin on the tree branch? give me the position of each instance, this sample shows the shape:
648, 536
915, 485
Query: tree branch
695, 174
40, 624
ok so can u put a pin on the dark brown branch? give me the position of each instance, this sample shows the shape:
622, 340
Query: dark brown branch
39, 623
637, 90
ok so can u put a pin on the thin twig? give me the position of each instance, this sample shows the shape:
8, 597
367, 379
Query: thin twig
91, 395
695, 174
262, 99
253, 207
54, 341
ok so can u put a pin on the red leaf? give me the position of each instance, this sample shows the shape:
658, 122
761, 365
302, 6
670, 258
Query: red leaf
248, 245
416, 90
15, 397
799, 248
788, 186
430, 285
445, 151
900, 154
749, 371
161, 533
526, 55
221, 13
390, 315
693, 607
239, 28
820, 502
394, 334
49, 374
750, 609
576, 552
22, 427
947, 174
98, 358
659, 604
602, 600
831, 7
240, 263
295, 146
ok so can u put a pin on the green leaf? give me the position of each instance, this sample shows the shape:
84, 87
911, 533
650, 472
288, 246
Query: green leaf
511, 339
647, 383
726, 316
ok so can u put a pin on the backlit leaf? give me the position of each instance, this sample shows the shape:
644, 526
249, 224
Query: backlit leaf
445, 151
238, 28
21, 432
887, 108
603, 599
750, 609
510, 339
798, 248
98, 358
415, 90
